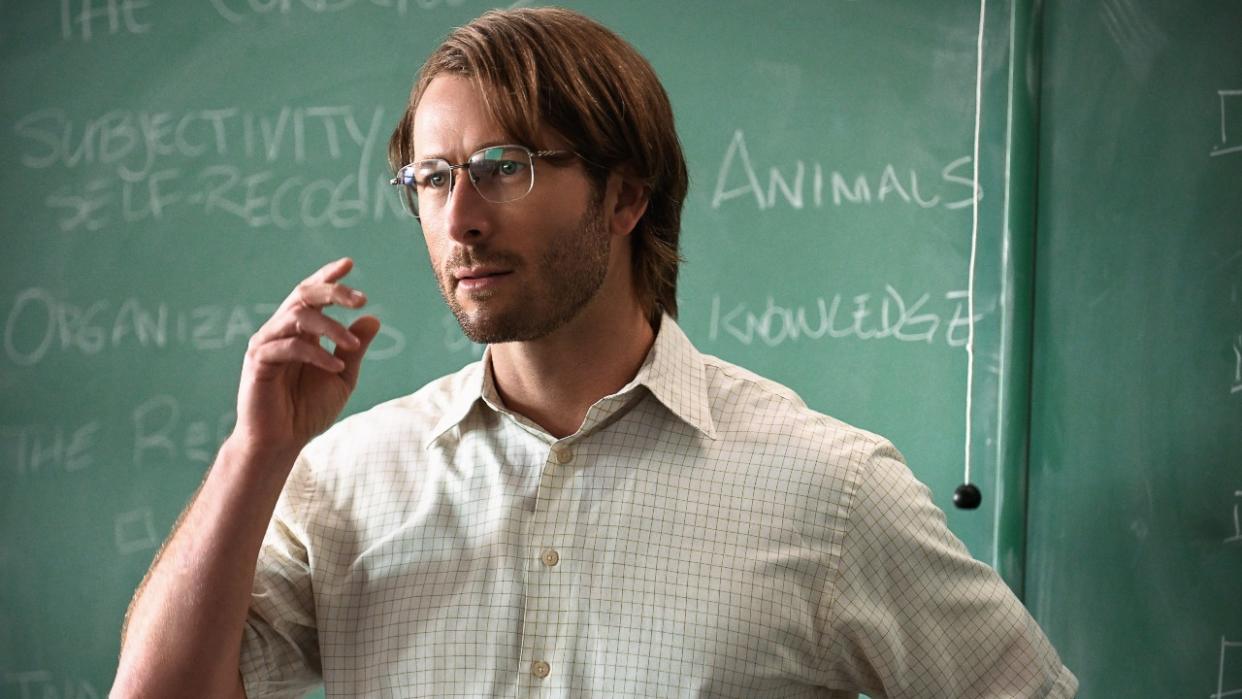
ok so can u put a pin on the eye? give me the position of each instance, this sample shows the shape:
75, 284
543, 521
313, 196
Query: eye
509, 167
431, 174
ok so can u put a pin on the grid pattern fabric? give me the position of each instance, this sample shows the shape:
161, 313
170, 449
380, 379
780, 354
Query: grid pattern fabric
702, 534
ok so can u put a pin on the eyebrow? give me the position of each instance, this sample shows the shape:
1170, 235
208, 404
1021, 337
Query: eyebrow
483, 146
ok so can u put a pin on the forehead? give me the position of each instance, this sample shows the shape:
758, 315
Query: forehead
452, 119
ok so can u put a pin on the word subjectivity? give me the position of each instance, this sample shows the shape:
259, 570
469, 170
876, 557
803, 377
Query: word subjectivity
1229, 100
140, 165
865, 316
40, 323
236, 11
135, 142
801, 186
82, 19
42, 684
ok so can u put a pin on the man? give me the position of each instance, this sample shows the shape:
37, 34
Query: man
594, 509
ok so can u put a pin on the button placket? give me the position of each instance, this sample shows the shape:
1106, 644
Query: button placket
544, 616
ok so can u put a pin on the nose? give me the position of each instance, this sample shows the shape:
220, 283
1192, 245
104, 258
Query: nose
466, 214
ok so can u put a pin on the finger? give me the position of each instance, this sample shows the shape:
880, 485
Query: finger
307, 323
365, 329
320, 294
292, 350
332, 271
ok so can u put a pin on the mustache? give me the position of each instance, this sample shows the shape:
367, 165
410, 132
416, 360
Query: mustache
478, 257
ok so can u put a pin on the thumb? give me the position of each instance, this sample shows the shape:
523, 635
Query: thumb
365, 329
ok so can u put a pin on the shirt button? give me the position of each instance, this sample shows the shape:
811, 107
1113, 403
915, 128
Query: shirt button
540, 669
562, 455
551, 557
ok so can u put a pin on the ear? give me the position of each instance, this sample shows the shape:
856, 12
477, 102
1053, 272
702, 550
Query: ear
628, 197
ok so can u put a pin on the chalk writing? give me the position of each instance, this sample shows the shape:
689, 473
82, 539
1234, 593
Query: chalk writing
41, 684
1229, 100
121, 16
863, 316
236, 11
1236, 386
34, 449
39, 323
1221, 690
135, 142
1237, 523
800, 186
255, 199
136, 150
134, 531
159, 428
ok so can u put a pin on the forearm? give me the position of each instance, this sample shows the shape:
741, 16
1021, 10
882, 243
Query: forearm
184, 627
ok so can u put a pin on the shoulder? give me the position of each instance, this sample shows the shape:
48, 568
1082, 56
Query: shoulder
753, 408
404, 421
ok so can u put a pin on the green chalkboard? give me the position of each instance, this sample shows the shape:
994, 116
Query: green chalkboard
171, 170
1135, 565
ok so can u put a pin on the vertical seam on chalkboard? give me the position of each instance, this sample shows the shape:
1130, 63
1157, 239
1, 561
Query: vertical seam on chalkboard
974, 241
1003, 299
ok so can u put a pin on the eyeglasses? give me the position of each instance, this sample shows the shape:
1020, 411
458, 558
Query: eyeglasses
499, 174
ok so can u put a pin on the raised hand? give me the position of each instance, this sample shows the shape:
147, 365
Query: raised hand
291, 387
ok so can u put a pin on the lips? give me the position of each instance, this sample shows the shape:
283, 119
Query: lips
479, 273
480, 278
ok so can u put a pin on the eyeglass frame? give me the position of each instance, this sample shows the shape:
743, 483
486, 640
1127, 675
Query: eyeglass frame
412, 193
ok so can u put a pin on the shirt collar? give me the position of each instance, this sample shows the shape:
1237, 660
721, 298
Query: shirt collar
672, 371
468, 388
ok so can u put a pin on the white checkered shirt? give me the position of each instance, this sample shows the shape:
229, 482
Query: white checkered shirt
702, 534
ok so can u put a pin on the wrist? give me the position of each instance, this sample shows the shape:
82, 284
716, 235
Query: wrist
245, 453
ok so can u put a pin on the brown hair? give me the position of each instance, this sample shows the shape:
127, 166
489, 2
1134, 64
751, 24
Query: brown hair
557, 68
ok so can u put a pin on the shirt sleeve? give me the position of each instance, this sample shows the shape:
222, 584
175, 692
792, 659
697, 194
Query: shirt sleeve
280, 643
916, 616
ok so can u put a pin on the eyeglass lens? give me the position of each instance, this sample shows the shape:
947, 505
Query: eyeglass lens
499, 174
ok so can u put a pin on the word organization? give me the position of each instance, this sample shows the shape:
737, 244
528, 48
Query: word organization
864, 316
799, 186
40, 323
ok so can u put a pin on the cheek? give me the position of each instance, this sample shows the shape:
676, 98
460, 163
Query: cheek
435, 247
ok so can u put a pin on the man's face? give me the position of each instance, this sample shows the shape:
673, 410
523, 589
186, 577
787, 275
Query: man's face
517, 270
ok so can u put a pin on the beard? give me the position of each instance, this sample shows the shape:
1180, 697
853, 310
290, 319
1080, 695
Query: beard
568, 274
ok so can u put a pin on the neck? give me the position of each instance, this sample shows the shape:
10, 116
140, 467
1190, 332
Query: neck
555, 380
